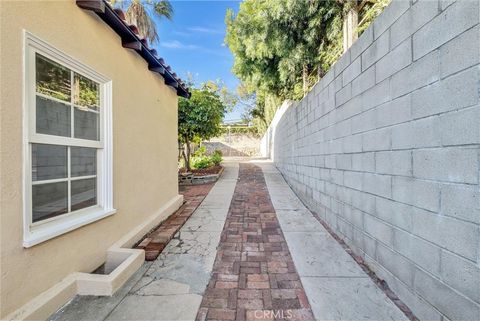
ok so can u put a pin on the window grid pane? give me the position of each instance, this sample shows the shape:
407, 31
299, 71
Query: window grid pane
68, 105
86, 92
86, 124
63, 109
49, 200
52, 79
49, 162
83, 193
83, 161
52, 197
53, 117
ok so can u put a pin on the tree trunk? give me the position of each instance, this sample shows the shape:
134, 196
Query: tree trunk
320, 73
186, 155
350, 25
305, 80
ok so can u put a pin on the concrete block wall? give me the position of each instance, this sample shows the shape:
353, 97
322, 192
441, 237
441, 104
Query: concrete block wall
386, 149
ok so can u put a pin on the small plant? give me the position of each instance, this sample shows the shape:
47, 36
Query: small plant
201, 151
201, 162
216, 158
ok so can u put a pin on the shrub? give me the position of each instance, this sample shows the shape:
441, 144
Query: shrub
216, 158
201, 162
201, 151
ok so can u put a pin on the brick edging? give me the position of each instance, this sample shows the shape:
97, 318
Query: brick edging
157, 239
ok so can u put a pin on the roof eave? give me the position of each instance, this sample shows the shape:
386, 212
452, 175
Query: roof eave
131, 40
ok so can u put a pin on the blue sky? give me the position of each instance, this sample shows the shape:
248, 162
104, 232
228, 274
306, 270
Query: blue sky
193, 42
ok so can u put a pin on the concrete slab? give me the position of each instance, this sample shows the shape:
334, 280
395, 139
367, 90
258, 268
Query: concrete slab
209, 213
190, 251
219, 201
318, 254
203, 224
349, 299
160, 287
224, 189
201, 244
166, 307
298, 221
189, 269
285, 202
282, 191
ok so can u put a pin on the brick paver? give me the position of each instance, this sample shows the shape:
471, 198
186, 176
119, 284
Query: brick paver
155, 241
254, 277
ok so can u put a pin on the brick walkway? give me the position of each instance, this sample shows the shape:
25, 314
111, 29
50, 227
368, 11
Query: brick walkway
254, 277
230, 261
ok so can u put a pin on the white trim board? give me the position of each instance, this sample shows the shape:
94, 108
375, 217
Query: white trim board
38, 232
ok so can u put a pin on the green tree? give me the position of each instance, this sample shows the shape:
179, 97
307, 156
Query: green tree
227, 97
357, 16
369, 10
142, 13
199, 117
276, 43
281, 48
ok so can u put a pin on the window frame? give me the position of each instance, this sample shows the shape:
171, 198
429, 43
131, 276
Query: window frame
35, 233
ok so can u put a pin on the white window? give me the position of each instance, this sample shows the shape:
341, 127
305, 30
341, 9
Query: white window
68, 161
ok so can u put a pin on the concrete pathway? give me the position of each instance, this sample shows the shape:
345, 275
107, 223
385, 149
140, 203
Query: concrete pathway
254, 277
336, 286
171, 287
251, 251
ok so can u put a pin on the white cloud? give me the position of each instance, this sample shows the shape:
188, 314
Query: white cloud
175, 44
205, 30
181, 33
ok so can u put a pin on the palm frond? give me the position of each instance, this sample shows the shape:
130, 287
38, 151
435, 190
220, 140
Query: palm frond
137, 14
142, 12
163, 8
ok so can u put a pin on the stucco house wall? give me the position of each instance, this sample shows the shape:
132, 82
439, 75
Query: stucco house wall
144, 145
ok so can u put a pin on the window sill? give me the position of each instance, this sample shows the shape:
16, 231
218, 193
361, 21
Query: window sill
46, 231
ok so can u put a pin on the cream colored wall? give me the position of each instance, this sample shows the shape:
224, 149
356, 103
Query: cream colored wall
145, 127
